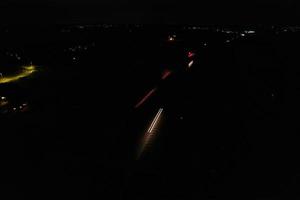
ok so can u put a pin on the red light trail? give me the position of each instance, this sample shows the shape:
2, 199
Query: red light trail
145, 98
166, 74
191, 54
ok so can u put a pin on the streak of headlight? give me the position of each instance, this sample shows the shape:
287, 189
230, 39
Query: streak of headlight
154, 122
191, 63
166, 74
145, 98
26, 71
150, 132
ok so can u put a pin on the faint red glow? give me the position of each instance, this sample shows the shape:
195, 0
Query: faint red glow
145, 98
166, 74
191, 54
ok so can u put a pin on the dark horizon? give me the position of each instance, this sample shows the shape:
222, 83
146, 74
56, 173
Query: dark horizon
134, 12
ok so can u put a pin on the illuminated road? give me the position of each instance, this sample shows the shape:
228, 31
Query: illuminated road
150, 134
25, 72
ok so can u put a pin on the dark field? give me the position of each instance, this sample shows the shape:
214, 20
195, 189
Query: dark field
229, 128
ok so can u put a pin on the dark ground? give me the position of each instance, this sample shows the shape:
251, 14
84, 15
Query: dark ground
237, 138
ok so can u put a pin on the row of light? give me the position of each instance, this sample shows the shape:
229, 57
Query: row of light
14, 55
78, 48
21, 107
4, 102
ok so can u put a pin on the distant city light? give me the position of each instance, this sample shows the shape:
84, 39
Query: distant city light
3, 101
171, 38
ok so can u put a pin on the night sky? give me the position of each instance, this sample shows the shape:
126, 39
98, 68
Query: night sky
150, 11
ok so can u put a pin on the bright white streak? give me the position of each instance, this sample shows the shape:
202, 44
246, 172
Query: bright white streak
154, 122
191, 63
149, 134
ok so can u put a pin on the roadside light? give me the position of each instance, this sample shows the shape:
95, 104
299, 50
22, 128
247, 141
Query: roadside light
171, 38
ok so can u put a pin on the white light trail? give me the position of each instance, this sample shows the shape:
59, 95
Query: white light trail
191, 63
155, 120
150, 133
